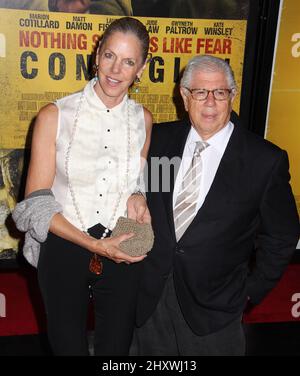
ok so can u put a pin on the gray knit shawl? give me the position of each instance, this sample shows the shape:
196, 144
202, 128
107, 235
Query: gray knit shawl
33, 216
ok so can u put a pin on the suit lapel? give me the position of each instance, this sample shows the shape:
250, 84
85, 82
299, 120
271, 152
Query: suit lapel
175, 149
226, 179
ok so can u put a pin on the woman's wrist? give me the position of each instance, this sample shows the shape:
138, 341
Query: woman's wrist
97, 246
139, 193
90, 243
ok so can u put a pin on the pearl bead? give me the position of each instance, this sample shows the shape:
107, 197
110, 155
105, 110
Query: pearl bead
67, 161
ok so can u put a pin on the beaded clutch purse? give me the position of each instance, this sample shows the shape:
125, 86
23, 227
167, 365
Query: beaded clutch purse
138, 245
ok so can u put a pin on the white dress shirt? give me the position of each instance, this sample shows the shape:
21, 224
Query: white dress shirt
98, 157
211, 158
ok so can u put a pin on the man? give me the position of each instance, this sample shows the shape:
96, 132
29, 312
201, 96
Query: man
107, 7
231, 195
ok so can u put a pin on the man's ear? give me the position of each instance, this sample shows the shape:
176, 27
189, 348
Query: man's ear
233, 95
184, 94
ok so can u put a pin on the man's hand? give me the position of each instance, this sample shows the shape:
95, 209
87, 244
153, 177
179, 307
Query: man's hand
137, 209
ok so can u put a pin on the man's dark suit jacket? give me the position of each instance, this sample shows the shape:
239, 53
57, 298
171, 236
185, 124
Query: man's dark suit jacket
249, 205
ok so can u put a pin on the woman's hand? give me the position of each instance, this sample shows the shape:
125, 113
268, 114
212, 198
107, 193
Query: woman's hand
137, 209
109, 248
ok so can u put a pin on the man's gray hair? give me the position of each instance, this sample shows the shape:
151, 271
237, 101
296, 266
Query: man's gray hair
207, 63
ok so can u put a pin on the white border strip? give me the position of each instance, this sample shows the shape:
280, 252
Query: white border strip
273, 65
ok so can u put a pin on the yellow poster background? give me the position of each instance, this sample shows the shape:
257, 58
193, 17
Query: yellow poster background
45, 56
29, 50
283, 126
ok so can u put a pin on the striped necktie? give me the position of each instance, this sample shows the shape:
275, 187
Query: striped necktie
186, 202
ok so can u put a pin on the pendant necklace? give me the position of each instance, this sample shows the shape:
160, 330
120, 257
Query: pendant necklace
96, 265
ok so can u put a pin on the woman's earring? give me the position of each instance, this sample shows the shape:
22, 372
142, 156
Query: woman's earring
95, 70
137, 81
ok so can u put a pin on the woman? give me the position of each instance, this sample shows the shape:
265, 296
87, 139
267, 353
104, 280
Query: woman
87, 148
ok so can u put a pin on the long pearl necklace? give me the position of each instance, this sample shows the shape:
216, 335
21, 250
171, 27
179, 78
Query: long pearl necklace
96, 259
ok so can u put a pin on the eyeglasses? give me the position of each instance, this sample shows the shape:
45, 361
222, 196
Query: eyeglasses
202, 94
